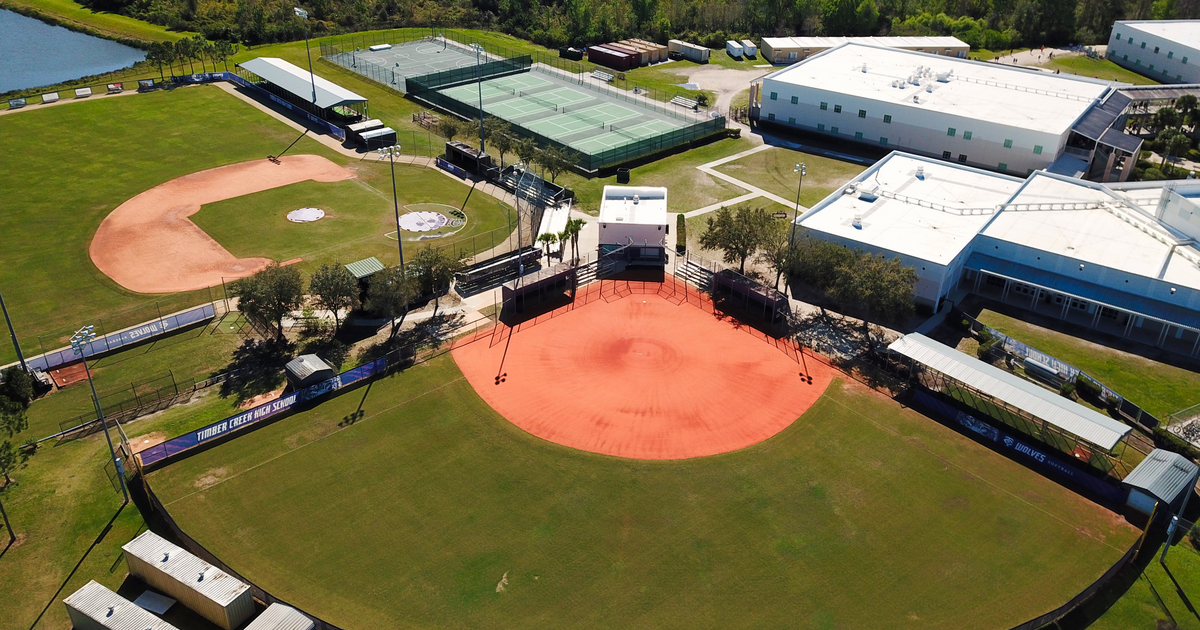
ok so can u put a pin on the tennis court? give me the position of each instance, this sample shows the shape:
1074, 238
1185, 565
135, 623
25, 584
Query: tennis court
409, 59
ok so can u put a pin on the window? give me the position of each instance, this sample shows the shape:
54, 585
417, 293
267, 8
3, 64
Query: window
1151, 67
795, 100
862, 113
792, 55
1124, 57
966, 135
883, 141
1137, 62
1003, 167
945, 155
1156, 50
837, 109
1008, 144
858, 135
887, 118
1143, 45
1130, 40
962, 159
833, 130
1037, 149
820, 126
1183, 61
824, 106
774, 96
1170, 55
1118, 37
791, 121
770, 116
950, 132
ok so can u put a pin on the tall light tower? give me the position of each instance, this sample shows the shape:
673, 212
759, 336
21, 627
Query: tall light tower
800, 170
13, 334
79, 344
303, 15
391, 153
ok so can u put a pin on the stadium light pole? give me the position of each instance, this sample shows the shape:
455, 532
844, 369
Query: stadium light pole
800, 170
520, 256
391, 152
13, 334
79, 342
303, 15
479, 83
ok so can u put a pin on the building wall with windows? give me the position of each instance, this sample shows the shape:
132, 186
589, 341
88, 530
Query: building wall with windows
788, 50
1167, 51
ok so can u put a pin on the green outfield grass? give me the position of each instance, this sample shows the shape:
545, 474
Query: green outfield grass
860, 515
359, 217
773, 170
1160, 594
1098, 68
1159, 388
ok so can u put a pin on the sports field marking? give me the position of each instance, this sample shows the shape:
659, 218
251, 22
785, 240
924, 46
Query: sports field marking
596, 119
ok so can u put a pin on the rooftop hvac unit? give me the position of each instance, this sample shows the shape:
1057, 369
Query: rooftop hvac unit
944, 77
864, 68
929, 88
916, 99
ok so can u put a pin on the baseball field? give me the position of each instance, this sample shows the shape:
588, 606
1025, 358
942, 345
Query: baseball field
412, 503
104, 152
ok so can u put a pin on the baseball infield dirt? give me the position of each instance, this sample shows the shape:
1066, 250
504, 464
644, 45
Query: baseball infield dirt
149, 245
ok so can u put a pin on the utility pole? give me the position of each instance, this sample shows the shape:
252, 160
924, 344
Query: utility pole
13, 334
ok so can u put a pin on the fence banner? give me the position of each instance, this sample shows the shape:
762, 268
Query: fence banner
113, 341
262, 412
1048, 463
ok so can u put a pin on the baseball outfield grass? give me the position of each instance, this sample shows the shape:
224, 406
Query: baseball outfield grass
428, 510
774, 170
114, 148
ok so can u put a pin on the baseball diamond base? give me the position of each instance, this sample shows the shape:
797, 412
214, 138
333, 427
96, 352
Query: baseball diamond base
642, 377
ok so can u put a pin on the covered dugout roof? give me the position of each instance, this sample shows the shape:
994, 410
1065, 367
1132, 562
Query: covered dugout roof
1163, 475
297, 80
1046, 405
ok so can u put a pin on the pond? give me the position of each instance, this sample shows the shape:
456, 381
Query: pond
37, 54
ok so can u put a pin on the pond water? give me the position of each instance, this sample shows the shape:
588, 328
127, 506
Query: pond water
34, 53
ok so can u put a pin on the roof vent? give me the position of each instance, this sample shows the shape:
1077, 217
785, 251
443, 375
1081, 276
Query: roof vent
636, 199
849, 189
201, 577
929, 88
166, 556
857, 222
111, 610
921, 172
864, 68
916, 99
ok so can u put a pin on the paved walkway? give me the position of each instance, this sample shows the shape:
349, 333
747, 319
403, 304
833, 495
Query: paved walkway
754, 191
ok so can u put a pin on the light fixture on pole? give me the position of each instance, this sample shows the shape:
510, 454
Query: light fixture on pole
13, 334
800, 170
391, 153
303, 15
479, 83
79, 343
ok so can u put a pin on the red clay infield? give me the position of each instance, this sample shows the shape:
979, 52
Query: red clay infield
644, 376
149, 245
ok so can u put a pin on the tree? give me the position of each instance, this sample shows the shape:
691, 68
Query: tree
1188, 106
572, 230
547, 240
389, 293
11, 460
882, 287
448, 127
737, 233
334, 288
16, 393
1174, 144
434, 269
501, 139
680, 233
557, 161
1165, 118
185, 51
269, 295
867, 17
776, 250
818, 263
156, 56
839, 17
526, 150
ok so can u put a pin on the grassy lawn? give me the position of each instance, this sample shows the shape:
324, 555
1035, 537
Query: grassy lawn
1159, 388
1160, 594
110, 24
689, 188
773, 170
862, 514
1099, 68
359, 217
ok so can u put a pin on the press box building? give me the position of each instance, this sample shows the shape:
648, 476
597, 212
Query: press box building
1167, 51
634, 225
992, 116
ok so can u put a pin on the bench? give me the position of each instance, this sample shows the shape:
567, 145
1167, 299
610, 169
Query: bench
684, 102
50, 97
83, 92
603, 76
116, 88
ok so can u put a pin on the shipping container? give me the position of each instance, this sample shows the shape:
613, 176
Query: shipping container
734, 49
691, 52
94, 607
610, 58
645, 54
206, 590
749, 49
660, 51
280, 617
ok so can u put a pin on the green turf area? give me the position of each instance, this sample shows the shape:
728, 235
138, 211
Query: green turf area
773, 170
862, 514
110, 24
1157, 387
1160, 594
1099, 68
687, 188
358, 221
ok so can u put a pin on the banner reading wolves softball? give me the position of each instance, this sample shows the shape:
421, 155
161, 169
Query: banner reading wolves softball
260, 413
1047, 462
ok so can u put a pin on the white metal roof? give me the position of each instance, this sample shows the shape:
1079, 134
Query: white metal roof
297, 80
200, 576
918, 207
1051, 408
818, 43
1163, 474
992, 92
280, 617
1185, 32
640, 205
113, 611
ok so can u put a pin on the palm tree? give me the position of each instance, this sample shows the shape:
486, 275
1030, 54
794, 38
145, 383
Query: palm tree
562, 238
572, 230
547, 239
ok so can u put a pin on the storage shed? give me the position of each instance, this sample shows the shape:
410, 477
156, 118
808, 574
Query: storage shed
307, 369
95, 607
644, 53
1162, 476
611, 58
280, 617
206, 590
734, 49
659, 51
749, 49
685, 50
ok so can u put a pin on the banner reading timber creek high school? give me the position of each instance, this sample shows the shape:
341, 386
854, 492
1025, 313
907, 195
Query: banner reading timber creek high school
258, 414
1047, 462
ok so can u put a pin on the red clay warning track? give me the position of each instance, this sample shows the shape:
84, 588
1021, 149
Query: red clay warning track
642, 375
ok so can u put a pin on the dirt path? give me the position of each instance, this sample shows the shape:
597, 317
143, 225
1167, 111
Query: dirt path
149, 245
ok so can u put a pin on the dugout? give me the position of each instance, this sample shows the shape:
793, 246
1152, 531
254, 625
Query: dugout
379, 138
307, 369
470, 159
95, 607
296, 87
751, 297
554, 285
203, 588
356, 130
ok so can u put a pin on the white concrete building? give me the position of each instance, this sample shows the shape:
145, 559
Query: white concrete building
1167, 51
1002, 118
1123, 258
633, 225
788, 50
